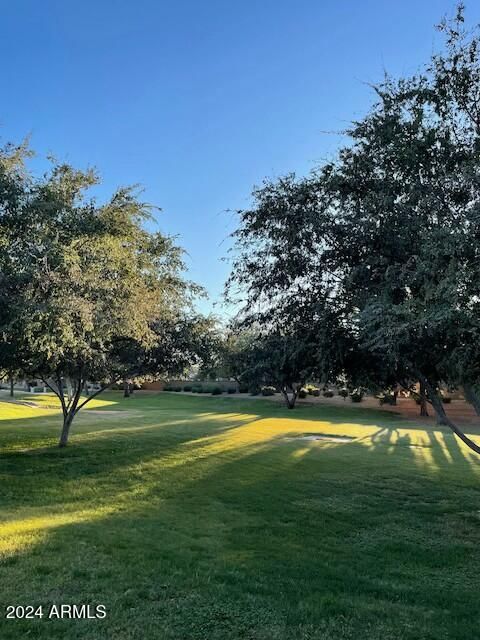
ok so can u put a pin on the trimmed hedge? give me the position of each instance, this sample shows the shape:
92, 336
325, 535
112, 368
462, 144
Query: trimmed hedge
199, 387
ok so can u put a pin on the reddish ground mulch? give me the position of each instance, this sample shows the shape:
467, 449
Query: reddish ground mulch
458, 410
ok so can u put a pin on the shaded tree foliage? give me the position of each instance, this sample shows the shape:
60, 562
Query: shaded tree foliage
86, 285
386, 237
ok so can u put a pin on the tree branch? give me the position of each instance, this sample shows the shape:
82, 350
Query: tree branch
58, 392
61, 396
76, 397
440, 411
94, 395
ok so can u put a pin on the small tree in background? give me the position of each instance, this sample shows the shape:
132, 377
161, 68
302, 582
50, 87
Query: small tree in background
277, 361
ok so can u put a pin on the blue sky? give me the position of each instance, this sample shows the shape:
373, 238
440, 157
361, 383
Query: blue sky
198, 101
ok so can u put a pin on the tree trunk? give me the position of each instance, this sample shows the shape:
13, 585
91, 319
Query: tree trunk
12, 383
423, 401
471, 397
289, 400
71, 408
395, 396
126, 389
442, 416
67, 423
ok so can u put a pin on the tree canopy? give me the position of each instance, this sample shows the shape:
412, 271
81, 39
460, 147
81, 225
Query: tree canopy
91, 294
380, 246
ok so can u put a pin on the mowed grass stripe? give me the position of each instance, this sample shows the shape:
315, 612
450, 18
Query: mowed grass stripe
214, 518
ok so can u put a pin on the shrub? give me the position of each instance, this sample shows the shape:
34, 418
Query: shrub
243, 388
217, 391
446, 400
312, 390
386, 398
356, 396
177, 389
187, 387
232, 390
328, 393
167, 387
343, 393
302, 393
268, 391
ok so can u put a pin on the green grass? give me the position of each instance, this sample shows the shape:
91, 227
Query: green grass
207, 518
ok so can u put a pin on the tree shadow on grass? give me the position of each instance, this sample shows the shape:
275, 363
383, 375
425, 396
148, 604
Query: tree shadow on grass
272, 539
102, 456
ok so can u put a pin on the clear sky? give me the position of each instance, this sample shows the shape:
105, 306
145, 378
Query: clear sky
198, 101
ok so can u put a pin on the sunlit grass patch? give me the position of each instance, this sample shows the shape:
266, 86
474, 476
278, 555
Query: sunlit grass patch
28, 405
212, 518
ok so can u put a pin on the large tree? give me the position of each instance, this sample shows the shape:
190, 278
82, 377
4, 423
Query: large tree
387, 234
14, 181
406, 205
284, 288
84, 279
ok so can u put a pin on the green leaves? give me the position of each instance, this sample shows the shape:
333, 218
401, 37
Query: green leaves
80, 276
378, 253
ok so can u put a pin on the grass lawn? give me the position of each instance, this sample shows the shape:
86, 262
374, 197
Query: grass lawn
208, 518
